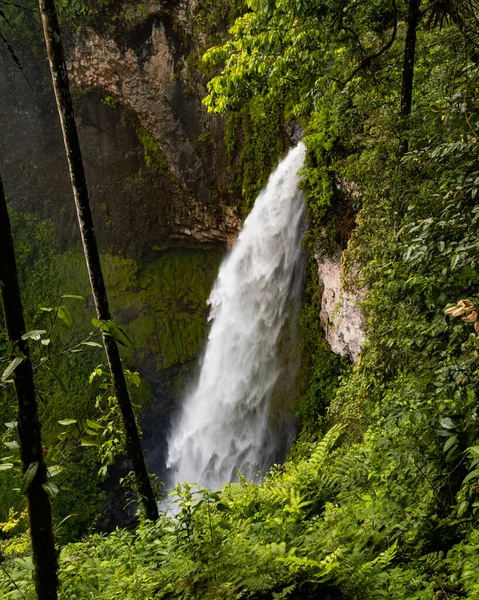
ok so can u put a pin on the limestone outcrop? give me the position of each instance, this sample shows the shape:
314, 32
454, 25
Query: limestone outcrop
340, 313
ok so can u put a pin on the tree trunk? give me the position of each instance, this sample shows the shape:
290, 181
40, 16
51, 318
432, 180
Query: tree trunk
413, 18
38, 501
61, 86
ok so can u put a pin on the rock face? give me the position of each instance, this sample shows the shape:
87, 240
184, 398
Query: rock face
340, 314
148, 86
149, 147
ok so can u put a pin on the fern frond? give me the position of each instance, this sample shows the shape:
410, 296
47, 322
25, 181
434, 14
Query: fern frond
278, 493
323, 448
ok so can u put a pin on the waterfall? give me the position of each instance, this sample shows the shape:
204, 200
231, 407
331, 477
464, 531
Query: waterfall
224, 425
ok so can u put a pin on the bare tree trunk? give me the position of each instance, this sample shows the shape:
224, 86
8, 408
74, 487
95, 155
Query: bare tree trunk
38, 502
51, 30
414, 15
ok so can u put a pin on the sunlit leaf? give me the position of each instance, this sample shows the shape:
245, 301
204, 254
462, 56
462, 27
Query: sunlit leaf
116, 332
12, 445
64, 315
35, 334
50, 488
11, 367
447, 423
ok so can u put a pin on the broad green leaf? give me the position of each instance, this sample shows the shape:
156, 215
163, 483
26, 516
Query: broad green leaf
54, 470
46, 341
461, 509
473, 451
116, 332
29, 476
452, 454
85, 442
11, 367
94, 424
12, 445
98, 324
50, 488
64, 315
11, 424
35, 334
67, 421
450, 442
472, 475
6, 466
447, 423
93, 344
73, 297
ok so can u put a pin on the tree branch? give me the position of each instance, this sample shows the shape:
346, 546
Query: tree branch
369, 59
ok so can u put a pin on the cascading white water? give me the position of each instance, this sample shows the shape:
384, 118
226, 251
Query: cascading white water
224, 423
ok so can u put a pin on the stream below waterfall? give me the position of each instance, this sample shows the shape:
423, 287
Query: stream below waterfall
225, 426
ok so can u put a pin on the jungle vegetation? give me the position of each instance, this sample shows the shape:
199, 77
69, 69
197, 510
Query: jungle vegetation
379, 497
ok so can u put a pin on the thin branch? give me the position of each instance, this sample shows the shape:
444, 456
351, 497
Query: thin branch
11, 51
465, 104
68, 350
356, 37
13, 581
9, 3
368, 59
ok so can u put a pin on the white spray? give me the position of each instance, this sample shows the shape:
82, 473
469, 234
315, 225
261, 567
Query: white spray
224, 423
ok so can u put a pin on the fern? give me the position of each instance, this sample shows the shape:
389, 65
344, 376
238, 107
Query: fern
323, 448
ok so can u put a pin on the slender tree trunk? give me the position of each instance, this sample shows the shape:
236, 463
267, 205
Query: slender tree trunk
414, 15
39, 509
61, 86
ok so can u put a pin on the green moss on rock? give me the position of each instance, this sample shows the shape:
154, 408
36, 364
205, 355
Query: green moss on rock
152, 152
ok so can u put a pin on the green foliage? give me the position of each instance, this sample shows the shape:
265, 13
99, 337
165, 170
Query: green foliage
291, 52
165, 301
253, 142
